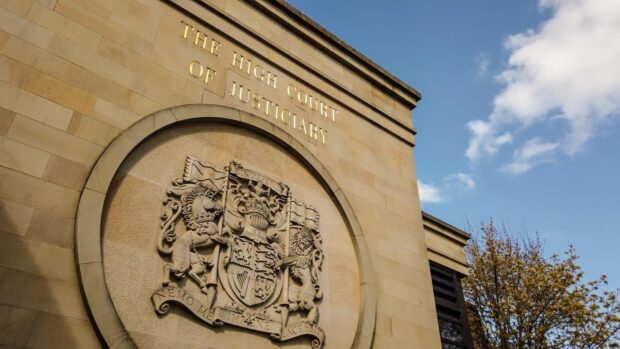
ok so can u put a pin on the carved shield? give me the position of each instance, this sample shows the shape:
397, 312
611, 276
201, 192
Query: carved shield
250, 271
245, 239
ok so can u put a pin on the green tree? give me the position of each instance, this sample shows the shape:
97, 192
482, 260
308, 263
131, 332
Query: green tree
518, 298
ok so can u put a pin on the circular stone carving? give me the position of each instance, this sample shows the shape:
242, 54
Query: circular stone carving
216, 246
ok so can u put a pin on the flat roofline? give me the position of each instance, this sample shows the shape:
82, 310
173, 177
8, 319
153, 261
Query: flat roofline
300, 17
445, 225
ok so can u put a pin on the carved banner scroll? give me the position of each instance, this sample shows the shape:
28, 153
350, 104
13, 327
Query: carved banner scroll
238, 249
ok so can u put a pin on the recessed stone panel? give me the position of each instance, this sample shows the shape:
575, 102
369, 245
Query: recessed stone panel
213, 233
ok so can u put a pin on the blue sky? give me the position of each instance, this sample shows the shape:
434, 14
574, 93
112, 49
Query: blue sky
520, 111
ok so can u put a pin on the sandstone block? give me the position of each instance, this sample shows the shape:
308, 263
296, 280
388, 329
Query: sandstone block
23, 158
15, 325
53, 331
37, 193
63, 26
43, 137
46, 226
60, 92
15, 217
35, 107
66, 172
21, 27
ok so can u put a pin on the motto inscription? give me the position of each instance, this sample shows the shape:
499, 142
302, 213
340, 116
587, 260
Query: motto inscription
238, 249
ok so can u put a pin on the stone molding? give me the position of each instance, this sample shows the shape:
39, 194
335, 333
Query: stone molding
201, 10
89, 214
280, 9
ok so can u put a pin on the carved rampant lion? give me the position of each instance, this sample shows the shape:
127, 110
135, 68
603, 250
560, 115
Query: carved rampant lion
305, 261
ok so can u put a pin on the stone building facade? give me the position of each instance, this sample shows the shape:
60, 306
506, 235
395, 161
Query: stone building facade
207, 174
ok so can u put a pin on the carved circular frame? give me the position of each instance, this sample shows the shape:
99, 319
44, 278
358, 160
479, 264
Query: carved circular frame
88, 230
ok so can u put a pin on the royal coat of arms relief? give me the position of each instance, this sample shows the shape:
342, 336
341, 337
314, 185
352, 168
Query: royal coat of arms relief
238, 249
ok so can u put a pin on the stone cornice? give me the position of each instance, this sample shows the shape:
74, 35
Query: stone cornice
304, 26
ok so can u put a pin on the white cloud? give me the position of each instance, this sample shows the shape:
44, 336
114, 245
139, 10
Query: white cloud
533, 152
566, 70
429, 193
484, 140
460, 181
482, 65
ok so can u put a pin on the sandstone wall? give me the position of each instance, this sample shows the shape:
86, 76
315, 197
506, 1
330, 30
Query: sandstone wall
74, 74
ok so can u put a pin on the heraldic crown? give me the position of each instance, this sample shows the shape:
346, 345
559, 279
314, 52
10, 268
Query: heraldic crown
238, 249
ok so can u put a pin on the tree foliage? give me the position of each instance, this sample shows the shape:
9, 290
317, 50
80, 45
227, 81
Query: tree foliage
518, 298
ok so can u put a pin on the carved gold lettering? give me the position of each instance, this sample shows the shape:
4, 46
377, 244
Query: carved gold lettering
197, 70
323, 135
192, 69
237, 87
242, 63
290, 90
313, 131
272, 79
233, 89
247, 94
215, 46
284, 115
323, 109
256, 70
245, 65
237, 60
267, 105
303, 100
256, 100
209, 75
302, 127
312, 103
249, 65
334, 112
260, 76
277, 109
200, 39
205, 39
186, 31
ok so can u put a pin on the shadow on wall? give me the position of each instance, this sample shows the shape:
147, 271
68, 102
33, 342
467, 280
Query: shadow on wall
40, 301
